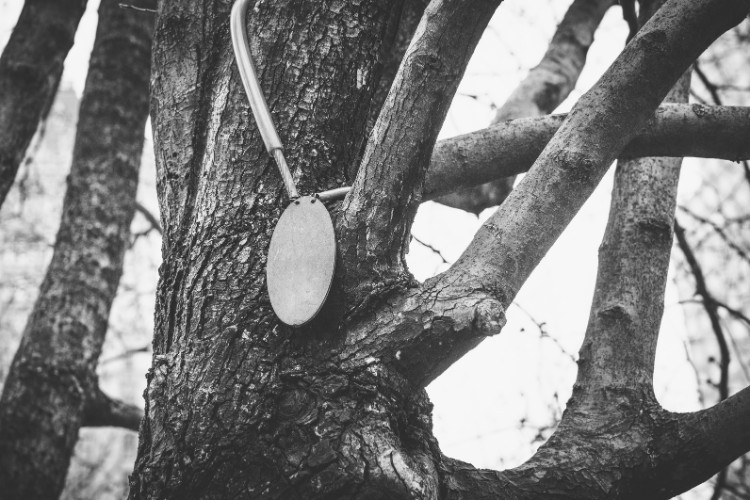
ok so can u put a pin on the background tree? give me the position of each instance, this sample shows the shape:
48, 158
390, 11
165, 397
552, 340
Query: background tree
52, 388
30, 69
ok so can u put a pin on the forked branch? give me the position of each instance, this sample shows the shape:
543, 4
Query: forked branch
512, 242
426, 329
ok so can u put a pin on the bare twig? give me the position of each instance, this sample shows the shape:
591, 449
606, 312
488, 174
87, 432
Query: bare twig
431, 248
732, 311
543, 333
712, 88
710, 307
720, 231
511, 147
151, 218
126, 354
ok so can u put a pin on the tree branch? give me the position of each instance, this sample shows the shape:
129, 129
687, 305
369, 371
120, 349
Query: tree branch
684, 450
511, 148
409, 17
709, 440
544, 88
378, 213
709, 304
613, 417
509, 245
103, 411
619, 347
30, 69
427, 328
144, 6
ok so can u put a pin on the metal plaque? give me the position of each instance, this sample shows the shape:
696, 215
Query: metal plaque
301, 261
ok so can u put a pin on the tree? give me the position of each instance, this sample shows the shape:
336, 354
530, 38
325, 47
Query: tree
239, 405
52, 388
30, 69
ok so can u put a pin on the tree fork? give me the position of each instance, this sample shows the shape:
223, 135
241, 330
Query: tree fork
511, 243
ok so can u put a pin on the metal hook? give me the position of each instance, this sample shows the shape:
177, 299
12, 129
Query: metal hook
255, 95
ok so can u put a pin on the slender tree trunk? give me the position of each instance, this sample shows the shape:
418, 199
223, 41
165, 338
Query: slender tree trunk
545, 87
30, 70
52, 388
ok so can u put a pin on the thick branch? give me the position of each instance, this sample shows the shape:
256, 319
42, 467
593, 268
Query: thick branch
511, 243
511, 148
103, 411
619, 347
378, 212
410, 14
545, 87
30, 71
706, 441
605, 459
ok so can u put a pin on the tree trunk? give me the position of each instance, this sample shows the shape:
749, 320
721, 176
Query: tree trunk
52, 388
30, 70
239, 405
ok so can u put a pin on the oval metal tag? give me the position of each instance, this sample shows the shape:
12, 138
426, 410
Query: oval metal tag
301, 261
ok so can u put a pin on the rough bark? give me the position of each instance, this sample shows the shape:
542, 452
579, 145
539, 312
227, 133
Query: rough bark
52, 387
545, 87
409, 17
241, 406
389, 183
511, 148
30, 69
